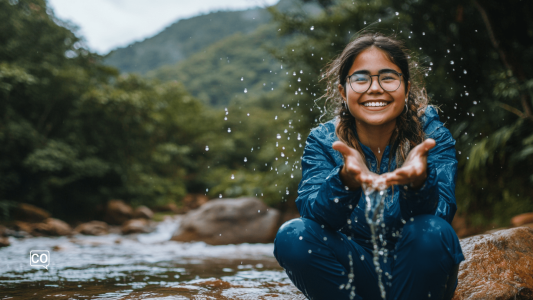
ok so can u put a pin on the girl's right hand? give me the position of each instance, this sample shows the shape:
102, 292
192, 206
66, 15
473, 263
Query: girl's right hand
354, 172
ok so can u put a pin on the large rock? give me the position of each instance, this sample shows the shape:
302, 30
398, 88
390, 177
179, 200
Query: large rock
522, 219
136, 226
229, 221
143, 212
118, 212
4, 242
29, 213
497, 266
92, 228
51, 227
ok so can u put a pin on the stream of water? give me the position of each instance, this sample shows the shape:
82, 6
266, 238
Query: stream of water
143, 266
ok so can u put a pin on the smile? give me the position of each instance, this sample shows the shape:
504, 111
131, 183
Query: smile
375, 104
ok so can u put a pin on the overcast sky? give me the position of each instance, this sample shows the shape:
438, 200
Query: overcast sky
108, 24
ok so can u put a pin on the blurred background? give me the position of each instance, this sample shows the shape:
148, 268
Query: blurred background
220, 102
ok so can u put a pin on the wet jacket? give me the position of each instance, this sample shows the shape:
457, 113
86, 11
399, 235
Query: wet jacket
323, 198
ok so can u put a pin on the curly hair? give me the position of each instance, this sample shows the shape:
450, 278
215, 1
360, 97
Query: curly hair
408, 132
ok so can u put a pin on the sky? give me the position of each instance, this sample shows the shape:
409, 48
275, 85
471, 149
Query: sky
108, 24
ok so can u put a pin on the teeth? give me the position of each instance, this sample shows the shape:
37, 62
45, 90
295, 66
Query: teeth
375, 104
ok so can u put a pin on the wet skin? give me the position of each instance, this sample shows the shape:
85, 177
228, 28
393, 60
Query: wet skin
375, 125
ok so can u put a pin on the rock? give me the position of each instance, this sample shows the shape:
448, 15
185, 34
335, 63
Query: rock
522, 219
193, 201
3, 231
143, 212
23, 226
229, 221
171, 207
118, 212
52, 227
92, 228
136, 226
4, 242
29, 213
497, 266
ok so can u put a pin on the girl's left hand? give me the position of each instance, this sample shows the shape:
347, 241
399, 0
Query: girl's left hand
414, 170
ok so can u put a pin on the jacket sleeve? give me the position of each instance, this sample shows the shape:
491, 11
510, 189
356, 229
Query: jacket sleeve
437, 195
322, 197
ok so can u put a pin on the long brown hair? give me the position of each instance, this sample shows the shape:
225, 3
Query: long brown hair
408, 132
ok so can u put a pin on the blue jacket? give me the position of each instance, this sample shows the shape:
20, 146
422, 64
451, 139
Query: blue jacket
323, 198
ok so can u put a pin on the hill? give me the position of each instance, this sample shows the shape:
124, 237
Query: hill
184, 38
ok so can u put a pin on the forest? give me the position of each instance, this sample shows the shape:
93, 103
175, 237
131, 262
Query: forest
226, 112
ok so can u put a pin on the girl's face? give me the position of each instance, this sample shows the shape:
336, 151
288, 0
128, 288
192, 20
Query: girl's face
375, 107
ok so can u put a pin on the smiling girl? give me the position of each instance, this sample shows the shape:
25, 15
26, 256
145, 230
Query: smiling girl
385, 131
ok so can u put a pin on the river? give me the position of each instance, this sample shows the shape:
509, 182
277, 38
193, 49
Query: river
142, 266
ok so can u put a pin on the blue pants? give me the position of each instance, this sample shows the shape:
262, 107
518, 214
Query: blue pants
423, 265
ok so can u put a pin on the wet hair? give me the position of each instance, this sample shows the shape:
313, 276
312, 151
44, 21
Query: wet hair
408, 132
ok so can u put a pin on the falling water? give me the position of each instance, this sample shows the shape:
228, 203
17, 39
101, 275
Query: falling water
375, 203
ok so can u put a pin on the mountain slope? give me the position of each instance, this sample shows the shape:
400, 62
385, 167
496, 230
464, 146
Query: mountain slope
184, 38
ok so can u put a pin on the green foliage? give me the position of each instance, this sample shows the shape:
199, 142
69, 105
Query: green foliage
185, 38
466, 76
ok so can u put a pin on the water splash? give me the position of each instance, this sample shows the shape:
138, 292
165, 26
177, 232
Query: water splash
375, 195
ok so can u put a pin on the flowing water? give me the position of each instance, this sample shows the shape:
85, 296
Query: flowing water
375, 203
144, 266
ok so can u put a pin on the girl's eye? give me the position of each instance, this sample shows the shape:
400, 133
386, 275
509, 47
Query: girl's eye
359, 78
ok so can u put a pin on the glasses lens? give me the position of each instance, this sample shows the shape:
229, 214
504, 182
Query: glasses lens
360, 82
389, 81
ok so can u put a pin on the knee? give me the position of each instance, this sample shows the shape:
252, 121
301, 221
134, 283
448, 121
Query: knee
429, 232
291, 241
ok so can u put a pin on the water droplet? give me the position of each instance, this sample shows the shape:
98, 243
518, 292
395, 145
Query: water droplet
362, 257
282, 154
299, 79
301, 237
276, 117
242, 78
397, 13
278, 136
336, 200
379, 20
248, 114
464, 71
245, 159
219, 195
292, 176
232, 176
325, 238
229, 129
206, 148
451, 62
312, 27
245, 91
309, 251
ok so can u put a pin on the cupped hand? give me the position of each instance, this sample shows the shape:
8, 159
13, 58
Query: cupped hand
414, 170
354, 173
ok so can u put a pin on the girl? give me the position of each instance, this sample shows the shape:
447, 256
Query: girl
378, 134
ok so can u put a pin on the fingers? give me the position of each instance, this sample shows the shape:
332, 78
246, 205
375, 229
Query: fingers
426, 145
342, 148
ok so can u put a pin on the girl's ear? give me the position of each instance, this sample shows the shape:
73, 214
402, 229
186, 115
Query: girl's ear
342, 91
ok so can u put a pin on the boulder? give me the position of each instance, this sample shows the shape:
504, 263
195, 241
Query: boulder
4, 242
136, 226
522, 219
117, 212
229, 221
193, 201
497, 266
29, 213
92, 228
51, 227
143, 212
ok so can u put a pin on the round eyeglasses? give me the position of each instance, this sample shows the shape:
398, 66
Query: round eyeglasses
388, 81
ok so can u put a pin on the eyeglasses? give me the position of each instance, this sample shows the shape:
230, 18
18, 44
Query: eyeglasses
388, 81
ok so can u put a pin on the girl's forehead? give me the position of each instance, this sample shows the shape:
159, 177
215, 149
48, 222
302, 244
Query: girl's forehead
373, 59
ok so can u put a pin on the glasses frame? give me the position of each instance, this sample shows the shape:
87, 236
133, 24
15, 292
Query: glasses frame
371, 81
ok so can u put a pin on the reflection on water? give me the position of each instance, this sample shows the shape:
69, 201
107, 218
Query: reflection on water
146, 266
